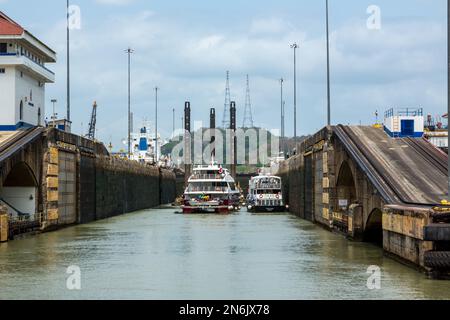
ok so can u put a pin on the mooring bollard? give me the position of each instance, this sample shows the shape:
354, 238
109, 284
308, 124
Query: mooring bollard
4, 224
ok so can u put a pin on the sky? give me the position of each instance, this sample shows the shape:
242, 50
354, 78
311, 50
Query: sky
185, 48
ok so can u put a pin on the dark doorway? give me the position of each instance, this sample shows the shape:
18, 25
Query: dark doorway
374, 228
407, 128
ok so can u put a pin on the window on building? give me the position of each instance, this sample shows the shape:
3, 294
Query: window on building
39, 117
3, 47
2, 70
21, 111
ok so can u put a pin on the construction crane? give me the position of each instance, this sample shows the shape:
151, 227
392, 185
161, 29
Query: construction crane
92, 124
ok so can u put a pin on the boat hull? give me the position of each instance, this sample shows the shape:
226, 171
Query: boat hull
267, 209
209, 210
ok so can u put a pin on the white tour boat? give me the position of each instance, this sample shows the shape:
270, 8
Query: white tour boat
211, 189
265, 194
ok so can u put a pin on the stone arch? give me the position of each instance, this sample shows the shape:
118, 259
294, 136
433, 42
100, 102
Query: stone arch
373, 231
346, 185
19, 190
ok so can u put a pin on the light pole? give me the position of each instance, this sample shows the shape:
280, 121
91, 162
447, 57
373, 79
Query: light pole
129, 51
328, 70
156, 125
173, 123
448, 91
68, 63
282, 113
295, 47
54, 101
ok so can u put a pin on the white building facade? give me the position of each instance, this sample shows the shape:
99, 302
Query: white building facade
23, 76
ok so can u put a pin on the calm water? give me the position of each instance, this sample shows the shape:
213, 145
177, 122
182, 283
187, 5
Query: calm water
157, 254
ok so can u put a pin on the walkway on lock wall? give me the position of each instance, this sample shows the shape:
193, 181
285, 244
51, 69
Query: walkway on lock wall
13, 141
404, 170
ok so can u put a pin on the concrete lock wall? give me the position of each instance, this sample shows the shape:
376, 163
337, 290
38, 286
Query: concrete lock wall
4, 224
109, 187
83, 183
403, 234
123, 187
305, 180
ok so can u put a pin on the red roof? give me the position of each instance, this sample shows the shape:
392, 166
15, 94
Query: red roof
9, 27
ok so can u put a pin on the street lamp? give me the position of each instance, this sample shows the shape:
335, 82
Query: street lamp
156, 125
282, 113
328, 70
129, 51
68, 60
295, 46
448, 92
173, 123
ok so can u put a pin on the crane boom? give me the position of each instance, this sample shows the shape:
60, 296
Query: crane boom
93, 123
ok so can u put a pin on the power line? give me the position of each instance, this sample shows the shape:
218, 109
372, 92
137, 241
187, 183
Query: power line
248, 116
226, 110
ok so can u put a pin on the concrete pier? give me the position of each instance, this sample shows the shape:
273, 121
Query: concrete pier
370, 187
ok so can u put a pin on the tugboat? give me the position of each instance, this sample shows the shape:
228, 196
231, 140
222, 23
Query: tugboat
265, 194
211, 189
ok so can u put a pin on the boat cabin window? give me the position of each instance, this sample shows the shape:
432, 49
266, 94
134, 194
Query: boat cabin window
268, 183
233, 186
208, 187
269, 191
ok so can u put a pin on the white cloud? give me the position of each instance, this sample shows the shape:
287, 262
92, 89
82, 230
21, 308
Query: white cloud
401, 65
115, 2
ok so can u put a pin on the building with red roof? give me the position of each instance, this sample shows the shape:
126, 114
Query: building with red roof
23, 75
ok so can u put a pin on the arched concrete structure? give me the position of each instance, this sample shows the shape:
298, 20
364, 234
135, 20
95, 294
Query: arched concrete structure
21, 169
19, 191
373, 231
345, 185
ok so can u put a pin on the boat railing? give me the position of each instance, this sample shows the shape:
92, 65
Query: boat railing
207, 189
267, 187
206, 176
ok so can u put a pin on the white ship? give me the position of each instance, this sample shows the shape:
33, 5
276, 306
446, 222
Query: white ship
211, 189
265, 194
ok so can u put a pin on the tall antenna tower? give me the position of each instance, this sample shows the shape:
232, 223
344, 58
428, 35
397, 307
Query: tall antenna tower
248, 116
226, 111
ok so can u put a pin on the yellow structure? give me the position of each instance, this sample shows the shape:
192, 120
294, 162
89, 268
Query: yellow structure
4, 225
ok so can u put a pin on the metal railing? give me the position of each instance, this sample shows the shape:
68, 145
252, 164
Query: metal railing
208, 189
404, 112
18, 213
12, 54
40, 65
207, 176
